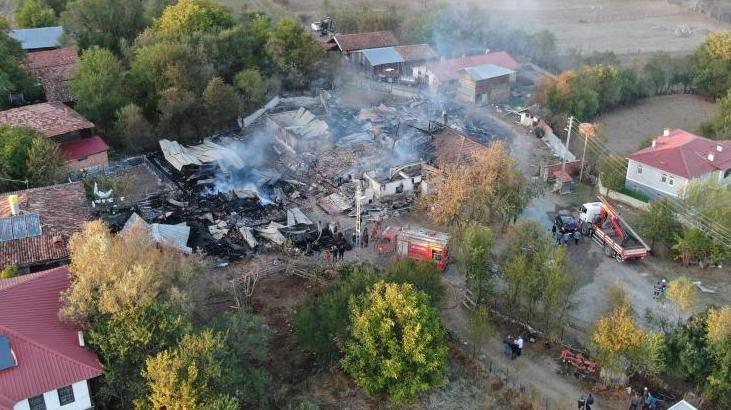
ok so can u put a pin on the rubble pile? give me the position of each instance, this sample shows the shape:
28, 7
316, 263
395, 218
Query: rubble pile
292, 169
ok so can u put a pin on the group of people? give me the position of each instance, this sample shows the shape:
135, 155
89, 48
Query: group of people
565, 237
660, 287
586, 402
513, 346
645, 402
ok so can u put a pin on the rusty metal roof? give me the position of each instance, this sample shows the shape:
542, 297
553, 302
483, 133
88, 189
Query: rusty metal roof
363, 41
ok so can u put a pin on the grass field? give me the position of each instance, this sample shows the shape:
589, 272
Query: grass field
626, 127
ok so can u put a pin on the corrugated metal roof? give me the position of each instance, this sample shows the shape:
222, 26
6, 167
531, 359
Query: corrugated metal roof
487, 71
175, 236
179, 156
380, 56
362, 41
682, 405
47, 349
35, 38
82, 148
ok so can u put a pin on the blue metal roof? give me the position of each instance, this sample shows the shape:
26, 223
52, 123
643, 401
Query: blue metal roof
7, 360
380, 56
484, 72
35, 38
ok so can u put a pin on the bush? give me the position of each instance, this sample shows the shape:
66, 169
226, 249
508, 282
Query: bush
9, 271
321, 324
423, 275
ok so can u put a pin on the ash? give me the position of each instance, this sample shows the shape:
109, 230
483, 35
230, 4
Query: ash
285, 181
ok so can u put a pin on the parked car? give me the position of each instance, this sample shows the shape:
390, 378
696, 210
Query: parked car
566, 224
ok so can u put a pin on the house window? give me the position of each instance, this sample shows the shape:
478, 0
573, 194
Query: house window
639, 169
671, 181
66, 395
664, 178
37, 403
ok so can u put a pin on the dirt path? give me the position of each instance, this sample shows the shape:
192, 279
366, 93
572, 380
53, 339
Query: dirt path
535, 369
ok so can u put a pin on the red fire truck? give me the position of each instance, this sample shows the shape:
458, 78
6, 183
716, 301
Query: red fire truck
416, 243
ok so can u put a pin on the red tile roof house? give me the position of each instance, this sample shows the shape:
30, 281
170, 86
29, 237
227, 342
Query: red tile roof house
447, 72
54, 70
43, 361
34, 235
674, 159
80, 148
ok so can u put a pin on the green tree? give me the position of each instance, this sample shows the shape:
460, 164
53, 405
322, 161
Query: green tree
27, 155
322, 324
222, 104
132, 131
99, 86
103, 23
660, 224
198, 373
613, 171
252, 86
398, 344
659, 72
423, 275
58, 6
296, 55
719, 126
247, 337
473, 252
709, 198
480, 329
191, 16
179, 115
13, 77
34, 13
686, 350
691, 246
125, 339
44, 164
712, 73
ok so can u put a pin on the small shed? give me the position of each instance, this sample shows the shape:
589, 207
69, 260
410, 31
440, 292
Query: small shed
564, 183
382, 63
485, 84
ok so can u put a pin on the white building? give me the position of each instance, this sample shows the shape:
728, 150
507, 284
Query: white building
673, 160
44, 364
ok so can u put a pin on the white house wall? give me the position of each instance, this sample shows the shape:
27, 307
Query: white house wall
650, 181
82, 400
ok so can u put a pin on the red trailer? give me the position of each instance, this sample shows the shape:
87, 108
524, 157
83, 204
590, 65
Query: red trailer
416, 243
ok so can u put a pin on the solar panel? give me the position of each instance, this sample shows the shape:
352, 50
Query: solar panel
33, 223
6, 229
19, 229
7, 360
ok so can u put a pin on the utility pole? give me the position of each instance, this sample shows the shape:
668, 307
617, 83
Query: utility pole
568, 141
358, 199
583, 156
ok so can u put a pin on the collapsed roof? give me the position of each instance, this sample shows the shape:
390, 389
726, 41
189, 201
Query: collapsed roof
175, 236
180, 156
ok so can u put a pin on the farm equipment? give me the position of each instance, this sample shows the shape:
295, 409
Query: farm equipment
577, 364
325, 27
416, 243
607, 228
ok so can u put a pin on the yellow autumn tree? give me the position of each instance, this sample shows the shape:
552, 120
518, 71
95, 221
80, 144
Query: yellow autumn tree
719, 324
616, 337
485, 186
111, 273
681, 292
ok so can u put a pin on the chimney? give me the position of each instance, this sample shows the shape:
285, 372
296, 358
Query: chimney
445, 118
666, 132
719, 148
82, 343
654, 142
14, 206
711, 157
